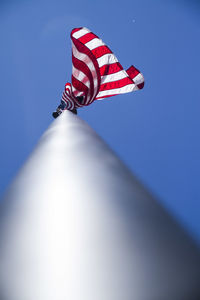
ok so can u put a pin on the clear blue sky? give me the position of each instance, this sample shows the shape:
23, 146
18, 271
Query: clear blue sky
154, 131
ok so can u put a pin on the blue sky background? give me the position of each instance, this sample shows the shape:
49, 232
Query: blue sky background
155, 131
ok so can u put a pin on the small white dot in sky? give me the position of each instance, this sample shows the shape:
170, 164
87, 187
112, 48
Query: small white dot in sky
133, 20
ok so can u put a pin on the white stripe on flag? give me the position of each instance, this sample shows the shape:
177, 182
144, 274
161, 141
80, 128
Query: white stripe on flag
80, 33
80, 76
94, 43
125, 89
75, 92
114, 77
106, 59
84, 58
138, 78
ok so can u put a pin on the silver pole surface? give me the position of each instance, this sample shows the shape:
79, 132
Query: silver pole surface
77, 225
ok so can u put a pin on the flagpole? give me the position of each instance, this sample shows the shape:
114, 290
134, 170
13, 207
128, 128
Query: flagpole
76, 224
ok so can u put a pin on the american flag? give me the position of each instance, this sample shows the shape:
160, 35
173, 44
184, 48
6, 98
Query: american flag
96, 72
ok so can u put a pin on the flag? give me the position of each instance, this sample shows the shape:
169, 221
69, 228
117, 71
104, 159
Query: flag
96, 72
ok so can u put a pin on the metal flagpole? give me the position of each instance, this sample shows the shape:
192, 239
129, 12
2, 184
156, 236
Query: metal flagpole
76, 224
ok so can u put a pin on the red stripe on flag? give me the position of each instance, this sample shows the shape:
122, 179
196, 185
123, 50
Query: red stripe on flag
87, 37
79, 85
82, 48
100, 51
80, 65
132, 72
110, 69
115, 84
140, 86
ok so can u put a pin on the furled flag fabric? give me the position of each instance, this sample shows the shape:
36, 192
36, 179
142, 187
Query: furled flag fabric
96, 72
